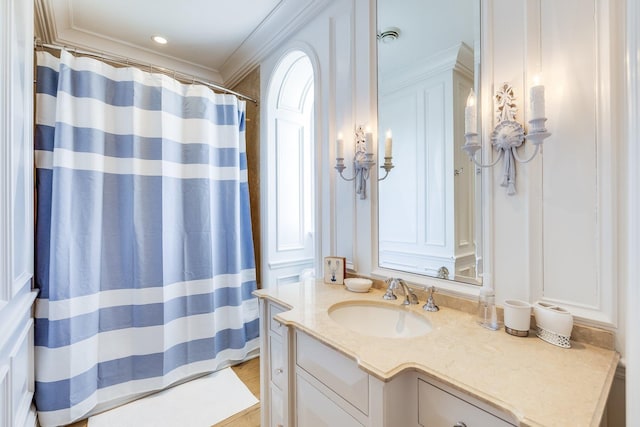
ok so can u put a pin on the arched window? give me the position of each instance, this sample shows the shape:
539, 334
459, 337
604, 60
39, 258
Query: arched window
290, 189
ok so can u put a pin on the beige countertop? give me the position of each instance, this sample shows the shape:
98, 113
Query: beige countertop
539, 384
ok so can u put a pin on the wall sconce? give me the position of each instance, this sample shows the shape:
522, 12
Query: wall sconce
363, 160
508, 134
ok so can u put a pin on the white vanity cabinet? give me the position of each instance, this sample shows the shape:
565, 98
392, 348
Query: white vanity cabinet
438, 406
274, 370
333, 376
330, 388
307, 383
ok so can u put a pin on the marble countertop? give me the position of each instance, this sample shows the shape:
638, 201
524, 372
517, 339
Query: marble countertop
539, 384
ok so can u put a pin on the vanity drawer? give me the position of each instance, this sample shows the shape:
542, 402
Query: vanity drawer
334, 370
316, 409
438, 408
277, 374
275, 326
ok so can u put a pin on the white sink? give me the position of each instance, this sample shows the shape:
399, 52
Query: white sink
379, 320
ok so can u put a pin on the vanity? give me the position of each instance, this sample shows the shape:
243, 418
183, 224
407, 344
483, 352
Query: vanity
321, 367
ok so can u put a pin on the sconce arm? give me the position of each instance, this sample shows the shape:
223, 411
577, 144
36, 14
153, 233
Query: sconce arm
387, 166
490, 165
514, 150
347, 179
340, 167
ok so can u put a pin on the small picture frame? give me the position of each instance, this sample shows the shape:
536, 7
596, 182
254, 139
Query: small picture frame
334, 270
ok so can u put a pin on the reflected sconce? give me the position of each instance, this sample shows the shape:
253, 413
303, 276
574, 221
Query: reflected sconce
363, 160
508, 134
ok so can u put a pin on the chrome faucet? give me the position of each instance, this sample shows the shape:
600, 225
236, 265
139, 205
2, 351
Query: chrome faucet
409, 296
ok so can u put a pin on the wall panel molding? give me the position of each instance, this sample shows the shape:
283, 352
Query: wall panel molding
571, 191
632, 177
343, 88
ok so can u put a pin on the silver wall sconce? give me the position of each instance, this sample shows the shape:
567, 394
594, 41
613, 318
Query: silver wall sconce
363, 160
508, 134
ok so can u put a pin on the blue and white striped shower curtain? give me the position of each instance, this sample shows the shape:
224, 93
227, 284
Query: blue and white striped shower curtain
144, 258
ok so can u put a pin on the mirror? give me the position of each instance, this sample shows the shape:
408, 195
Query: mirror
429, 213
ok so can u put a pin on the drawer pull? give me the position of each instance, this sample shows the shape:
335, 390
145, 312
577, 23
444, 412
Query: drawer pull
279, 371
460, 424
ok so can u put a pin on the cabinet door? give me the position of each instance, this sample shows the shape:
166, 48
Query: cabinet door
314, 409
277, 407
438, 408
274, 360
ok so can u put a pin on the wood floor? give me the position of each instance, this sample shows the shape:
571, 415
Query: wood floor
249, 373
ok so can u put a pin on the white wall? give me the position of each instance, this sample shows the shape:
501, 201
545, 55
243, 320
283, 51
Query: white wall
344, 100
562, 236
16, 206
631, 268
558, 238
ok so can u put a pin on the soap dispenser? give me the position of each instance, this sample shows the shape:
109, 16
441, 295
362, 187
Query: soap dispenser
487, 315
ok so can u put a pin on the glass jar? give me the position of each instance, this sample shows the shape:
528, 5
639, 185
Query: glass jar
487, 316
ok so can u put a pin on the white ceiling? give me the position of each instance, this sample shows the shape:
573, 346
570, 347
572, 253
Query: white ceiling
427, 27
211, 39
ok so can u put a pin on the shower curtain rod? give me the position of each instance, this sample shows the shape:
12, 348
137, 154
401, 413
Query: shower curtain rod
185, 78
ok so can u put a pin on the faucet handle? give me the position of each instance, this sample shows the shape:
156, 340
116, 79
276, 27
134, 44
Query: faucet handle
391, 284
430, 305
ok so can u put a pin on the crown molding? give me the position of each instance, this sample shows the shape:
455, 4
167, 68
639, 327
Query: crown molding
286, 19
54, 25
44, 28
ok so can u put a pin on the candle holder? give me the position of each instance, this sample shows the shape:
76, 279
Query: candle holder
508, 135
387, 166
362, 163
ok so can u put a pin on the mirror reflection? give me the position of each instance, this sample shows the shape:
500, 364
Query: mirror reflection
429, 205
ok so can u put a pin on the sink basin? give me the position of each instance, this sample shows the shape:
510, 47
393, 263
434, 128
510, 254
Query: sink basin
379, 320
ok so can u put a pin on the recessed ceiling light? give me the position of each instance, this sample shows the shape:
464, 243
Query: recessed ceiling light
389, 35
159, 39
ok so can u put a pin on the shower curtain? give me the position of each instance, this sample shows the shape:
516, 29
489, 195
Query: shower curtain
144, 258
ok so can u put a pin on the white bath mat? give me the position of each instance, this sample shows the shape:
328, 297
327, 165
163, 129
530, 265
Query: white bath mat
198, 403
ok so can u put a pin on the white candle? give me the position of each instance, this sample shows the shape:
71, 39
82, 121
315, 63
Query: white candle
368, 138
536, 95
388, 144
340, 147
470, 114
